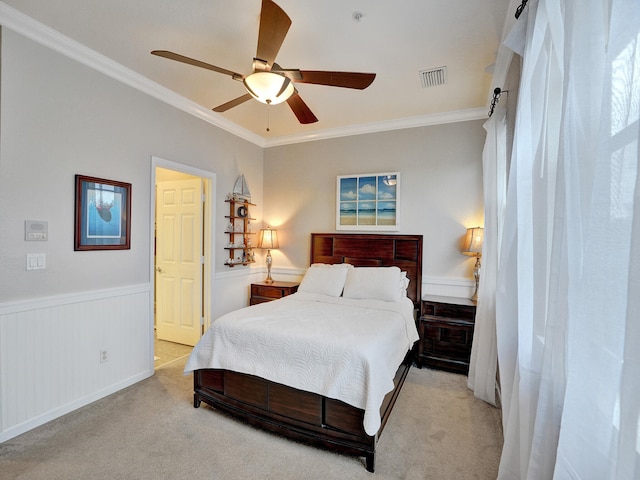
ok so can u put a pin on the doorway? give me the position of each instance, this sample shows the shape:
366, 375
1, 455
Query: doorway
181, 263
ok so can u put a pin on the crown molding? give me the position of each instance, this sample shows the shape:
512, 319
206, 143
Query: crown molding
384, 126
28, 27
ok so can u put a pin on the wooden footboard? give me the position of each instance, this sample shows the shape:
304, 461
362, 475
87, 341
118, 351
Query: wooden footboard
296, 414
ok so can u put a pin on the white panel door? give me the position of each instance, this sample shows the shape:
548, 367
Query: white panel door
179, 267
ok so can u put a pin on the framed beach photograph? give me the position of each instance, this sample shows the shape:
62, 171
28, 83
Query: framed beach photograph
102, 214
368, 202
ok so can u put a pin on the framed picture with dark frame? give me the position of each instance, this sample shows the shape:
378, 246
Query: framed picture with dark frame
368, 202
102, 214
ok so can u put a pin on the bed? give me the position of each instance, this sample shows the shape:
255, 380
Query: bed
322, 409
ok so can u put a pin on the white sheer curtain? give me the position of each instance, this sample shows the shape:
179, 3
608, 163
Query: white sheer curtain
484, 353
568, 284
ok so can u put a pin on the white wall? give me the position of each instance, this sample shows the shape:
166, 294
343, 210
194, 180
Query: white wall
59, 118
441, 193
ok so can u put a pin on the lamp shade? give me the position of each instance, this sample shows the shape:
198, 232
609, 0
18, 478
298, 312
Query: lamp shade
473, 242
268, 239
267, 87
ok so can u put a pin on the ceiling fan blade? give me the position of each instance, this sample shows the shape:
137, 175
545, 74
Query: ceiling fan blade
301, 110
355, 80
192, 61
232, 103
274, 25
292, 74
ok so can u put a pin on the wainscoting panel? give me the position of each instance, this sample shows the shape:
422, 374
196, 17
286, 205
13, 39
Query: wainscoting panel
448, 287
60, 353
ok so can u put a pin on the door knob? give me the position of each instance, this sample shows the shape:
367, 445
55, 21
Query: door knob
158, 269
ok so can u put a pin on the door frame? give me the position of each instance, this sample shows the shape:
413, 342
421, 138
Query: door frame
209, 189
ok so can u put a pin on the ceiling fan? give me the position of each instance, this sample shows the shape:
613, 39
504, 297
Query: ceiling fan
269, 83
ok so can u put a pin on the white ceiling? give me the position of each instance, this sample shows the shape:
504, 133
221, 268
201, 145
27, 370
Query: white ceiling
395, 40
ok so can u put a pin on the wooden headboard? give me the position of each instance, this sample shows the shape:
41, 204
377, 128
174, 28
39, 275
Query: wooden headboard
373, 250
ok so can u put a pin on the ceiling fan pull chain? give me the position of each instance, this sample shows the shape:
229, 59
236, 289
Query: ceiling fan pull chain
268, 116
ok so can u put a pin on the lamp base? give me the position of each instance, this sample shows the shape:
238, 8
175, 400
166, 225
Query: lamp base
268, 280
269, 260
474, 297
476, 276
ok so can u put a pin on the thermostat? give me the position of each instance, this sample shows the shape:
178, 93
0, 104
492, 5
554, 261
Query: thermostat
36, 231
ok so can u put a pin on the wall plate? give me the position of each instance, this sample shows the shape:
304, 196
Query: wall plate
36, 231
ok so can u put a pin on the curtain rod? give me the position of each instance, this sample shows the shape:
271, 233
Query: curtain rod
498, 91
496, 98
521, 8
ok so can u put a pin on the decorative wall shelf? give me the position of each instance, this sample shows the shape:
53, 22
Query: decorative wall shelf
240, 245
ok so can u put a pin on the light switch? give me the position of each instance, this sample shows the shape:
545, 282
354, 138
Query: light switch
36, 261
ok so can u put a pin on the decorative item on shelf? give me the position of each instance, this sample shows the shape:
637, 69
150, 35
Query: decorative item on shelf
473, 247
241, 189
269, 241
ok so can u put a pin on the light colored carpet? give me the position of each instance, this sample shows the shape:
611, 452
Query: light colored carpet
167, 352
150, 430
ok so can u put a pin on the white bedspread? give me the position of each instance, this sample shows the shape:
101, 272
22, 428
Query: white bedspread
341, 348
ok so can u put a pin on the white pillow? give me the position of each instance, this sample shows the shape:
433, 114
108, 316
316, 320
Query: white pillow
325, 279
404, 284
379, 283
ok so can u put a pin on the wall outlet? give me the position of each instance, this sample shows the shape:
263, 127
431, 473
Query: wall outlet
104, 356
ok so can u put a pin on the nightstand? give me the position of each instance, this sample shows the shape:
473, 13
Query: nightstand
265, 292
446, 333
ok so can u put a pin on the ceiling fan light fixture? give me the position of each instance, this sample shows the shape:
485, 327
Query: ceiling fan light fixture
268, 87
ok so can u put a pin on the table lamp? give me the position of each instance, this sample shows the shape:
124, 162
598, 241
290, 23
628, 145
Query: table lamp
473, 247
269, 241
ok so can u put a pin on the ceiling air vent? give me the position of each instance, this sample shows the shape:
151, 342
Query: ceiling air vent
433, 77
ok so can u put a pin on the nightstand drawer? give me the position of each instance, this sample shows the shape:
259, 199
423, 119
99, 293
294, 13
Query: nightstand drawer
266, 292
446, 339
448, 310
